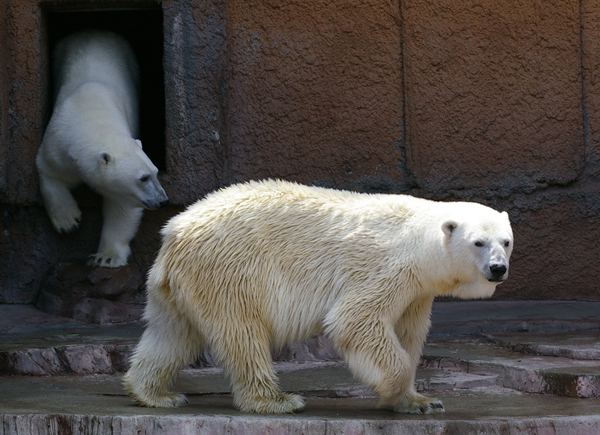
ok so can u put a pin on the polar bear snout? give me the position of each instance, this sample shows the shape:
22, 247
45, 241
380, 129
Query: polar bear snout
498, 272
152, 195
156, 204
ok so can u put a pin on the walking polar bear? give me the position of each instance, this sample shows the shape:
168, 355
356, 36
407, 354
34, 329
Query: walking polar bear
91, 138
263, 264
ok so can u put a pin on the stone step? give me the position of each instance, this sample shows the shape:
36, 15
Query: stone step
63, 355
583, 345
468, 364
443, 380
68, 350
335, 405
65, 360
567, 364
515, 370
496, 361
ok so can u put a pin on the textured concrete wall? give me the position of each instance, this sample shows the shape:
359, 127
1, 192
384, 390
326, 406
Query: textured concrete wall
314, 93
195, 67
493, 94
25, 72
496, 102
495, 113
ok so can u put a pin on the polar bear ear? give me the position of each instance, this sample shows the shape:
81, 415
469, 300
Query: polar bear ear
105, 158
505, 215
139, 143
448, 227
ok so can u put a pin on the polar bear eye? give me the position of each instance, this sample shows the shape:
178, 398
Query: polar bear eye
507, 243
478, 244
145, 178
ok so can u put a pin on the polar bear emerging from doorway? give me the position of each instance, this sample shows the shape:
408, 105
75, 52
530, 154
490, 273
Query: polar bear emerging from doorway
265, 264
91, 139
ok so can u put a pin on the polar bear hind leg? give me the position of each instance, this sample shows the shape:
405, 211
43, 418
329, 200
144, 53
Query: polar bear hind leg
245, 355
169, 342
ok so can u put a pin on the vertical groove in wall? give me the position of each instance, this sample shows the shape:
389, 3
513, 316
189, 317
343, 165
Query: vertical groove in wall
408, 177
590, 64
3, 102
587, 137
218, 115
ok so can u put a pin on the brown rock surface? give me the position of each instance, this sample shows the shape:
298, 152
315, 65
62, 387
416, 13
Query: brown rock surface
314, 92
493, 94
93, 294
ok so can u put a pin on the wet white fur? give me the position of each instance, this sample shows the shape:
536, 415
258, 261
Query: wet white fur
91, 138
268, 263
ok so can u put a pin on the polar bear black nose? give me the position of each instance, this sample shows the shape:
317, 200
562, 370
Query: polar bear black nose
163, 203
498, 270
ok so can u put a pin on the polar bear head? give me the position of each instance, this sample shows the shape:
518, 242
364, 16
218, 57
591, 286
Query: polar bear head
479, 242
128, 175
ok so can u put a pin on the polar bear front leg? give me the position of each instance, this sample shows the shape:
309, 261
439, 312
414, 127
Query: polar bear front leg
120, 224
412, 329
373, 353
60, 204
376, 356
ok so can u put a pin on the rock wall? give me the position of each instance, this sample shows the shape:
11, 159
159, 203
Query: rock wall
314, 92
486, 101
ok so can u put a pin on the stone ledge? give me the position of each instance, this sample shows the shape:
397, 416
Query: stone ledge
93, 294
573, 345
97, 404
518, 371
45, 424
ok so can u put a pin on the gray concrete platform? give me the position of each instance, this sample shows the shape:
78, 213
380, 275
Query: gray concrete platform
499, 367
96, 404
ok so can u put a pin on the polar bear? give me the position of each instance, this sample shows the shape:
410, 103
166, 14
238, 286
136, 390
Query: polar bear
91, 138
264, 264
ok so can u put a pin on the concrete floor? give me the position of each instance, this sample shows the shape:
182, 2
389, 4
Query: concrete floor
499, 367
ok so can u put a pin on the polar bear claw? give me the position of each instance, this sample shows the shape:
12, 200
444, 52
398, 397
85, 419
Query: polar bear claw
419, 404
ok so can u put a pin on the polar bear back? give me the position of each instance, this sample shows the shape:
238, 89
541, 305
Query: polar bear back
98, 57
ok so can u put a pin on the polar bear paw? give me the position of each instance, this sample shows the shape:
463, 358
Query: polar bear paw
67, 220
106, 260
419, 404
151, 396
283, 404
166, 401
